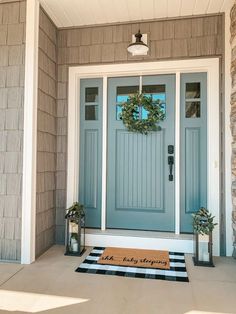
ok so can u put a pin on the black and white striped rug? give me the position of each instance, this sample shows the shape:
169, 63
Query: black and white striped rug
177, 271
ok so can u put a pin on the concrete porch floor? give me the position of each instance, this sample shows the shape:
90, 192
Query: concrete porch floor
50, 285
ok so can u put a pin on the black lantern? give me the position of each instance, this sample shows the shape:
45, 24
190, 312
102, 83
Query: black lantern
203, 226
203, 250
75, 227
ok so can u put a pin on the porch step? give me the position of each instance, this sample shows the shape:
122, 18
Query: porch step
140, 240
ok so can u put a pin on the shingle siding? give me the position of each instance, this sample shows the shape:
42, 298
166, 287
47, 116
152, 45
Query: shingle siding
46, 140
12, 39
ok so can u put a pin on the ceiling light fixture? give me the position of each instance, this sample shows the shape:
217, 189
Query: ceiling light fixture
138, 48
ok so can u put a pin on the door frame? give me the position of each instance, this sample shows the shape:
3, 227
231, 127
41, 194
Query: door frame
211, 66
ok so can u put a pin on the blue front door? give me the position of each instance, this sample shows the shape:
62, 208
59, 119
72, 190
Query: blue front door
140, 194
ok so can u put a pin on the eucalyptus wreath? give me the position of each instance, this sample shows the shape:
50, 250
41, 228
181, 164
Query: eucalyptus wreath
130, 114
203, 221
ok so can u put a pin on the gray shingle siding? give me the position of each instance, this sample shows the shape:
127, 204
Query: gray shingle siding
46, 141
12, 39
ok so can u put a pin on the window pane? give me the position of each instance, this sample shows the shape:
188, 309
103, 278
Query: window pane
193, 90
193, 109
123, 92
91, 112
91, 94
118, 112
158, 93
154, 89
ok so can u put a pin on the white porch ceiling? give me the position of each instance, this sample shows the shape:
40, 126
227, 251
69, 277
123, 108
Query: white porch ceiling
69, 13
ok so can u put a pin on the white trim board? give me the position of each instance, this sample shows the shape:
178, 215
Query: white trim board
140, 240
211, 66
30, 134
149, 243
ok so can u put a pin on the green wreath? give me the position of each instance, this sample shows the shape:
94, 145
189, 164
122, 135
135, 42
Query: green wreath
130, 114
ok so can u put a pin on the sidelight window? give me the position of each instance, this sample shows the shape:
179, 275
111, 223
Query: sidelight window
193, 100
91, 103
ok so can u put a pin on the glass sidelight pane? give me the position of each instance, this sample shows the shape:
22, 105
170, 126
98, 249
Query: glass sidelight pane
193, 109
193, 90
91, 94
91, 112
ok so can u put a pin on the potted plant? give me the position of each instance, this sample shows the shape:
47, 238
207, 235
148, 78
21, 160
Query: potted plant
75, 211
203, 225
75, 217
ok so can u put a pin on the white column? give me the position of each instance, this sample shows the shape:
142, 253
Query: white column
30, 134
228, 139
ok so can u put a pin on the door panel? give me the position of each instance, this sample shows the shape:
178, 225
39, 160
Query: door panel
137, 168
90, 181
193, 167
139, 193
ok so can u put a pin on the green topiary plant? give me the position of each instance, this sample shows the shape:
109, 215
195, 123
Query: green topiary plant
75, 211
203, 221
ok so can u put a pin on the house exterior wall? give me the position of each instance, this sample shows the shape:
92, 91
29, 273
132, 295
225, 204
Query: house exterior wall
233, 118
12, 49
168, 40
46, 135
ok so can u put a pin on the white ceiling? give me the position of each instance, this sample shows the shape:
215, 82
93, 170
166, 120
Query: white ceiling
68, 13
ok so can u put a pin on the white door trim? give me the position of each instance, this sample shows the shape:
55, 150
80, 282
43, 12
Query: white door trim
104, 154
211, 66
30, 134
177, 153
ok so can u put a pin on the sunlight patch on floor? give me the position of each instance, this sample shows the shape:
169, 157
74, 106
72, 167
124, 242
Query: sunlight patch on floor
203, 312
33, 302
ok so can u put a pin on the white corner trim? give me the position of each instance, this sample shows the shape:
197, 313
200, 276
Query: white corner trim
211, 66
104, 154
73, 140
177, 153
228, 140
30, 134
213, 150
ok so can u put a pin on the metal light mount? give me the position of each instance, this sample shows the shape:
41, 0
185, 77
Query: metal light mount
138, 47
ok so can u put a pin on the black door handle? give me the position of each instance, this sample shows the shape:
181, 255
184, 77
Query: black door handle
170, 163
170, 149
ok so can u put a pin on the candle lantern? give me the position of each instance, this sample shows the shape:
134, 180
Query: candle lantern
203, 226
75, 230
203, 250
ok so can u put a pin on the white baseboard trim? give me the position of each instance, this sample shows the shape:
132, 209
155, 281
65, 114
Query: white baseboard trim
174, 244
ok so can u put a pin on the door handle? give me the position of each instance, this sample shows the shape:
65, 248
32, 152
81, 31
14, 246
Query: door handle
171, 163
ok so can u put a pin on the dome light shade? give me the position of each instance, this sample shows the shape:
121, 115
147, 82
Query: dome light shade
138, 48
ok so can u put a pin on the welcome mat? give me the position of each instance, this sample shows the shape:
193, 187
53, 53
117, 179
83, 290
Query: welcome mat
177, 271
135, 258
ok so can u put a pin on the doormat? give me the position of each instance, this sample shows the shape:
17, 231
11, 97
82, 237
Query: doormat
135, 258
177, 271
